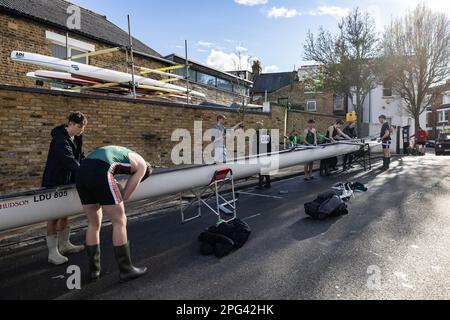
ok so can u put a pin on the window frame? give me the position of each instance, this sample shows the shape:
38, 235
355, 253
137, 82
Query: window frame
443, 116
334, 103
315, 105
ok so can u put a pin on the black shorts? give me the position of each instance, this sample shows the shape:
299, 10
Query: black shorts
421, 143
96, 184
387, 144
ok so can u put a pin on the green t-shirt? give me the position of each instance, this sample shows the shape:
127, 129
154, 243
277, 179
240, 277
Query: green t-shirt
111, 155
310, 137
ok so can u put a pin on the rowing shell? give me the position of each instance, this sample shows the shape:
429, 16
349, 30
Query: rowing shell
24, 209
95, 73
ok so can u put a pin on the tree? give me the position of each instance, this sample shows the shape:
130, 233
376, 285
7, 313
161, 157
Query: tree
349, 61
417, 57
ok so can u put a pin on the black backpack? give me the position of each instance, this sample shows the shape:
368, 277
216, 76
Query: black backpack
327, 204
224, 238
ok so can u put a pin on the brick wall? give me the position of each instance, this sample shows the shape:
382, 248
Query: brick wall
298, 97
27, 117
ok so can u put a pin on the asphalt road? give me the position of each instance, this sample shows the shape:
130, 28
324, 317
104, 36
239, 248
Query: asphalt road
393, 245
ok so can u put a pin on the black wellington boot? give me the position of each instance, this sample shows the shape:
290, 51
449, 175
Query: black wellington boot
384, 167
93, 253
127, 270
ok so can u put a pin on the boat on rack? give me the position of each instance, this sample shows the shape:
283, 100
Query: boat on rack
86, 72
22, 209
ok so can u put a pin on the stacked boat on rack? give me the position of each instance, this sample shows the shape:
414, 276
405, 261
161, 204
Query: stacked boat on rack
79, 76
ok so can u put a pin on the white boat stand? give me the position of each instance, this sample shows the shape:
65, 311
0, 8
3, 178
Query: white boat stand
219, 180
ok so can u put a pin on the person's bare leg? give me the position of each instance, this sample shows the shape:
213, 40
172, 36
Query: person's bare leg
311, 165
94, 215
62, 224
51, 227
116, 214
306, 171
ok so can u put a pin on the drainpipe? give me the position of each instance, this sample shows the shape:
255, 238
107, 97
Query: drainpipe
285, 125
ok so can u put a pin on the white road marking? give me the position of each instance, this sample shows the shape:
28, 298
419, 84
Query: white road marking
259, 195
252, 217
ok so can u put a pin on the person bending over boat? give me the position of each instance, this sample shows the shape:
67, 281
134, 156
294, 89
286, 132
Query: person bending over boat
310, 139
335, 133
63, 160
99, 192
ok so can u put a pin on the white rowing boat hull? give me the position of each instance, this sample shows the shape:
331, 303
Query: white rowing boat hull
59, 76
92, 72
26, 209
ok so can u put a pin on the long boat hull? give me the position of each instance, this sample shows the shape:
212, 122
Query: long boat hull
24, 209
92, 72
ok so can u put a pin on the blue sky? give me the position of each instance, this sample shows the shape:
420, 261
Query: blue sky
219, 31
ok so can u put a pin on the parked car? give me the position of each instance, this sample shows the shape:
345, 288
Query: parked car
431, 144
443, 144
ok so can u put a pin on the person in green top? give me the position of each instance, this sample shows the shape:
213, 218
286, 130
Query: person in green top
310, 139
99, 192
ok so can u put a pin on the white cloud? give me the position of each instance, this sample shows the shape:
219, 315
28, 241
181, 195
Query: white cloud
204, 44
334, 11
251, 3
282, 12
271, 69
241, 49
228, 61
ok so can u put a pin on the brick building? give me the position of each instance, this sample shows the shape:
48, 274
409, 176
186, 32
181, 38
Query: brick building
40, 26
294, 89
29, 112
438, 115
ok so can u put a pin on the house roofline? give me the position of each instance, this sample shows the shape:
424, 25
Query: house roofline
208, 67
77, 32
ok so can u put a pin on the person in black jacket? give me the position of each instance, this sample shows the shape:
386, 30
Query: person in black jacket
64, 157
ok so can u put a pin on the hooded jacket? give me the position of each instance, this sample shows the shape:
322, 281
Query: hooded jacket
63, 160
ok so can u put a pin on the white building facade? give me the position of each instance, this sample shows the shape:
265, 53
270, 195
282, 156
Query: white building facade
381, 101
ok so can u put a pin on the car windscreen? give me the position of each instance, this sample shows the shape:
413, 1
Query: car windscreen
444, 137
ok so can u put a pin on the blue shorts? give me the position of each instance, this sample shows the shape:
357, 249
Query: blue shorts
387, 144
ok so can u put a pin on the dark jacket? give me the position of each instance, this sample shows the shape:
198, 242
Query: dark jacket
351, 132
64, 157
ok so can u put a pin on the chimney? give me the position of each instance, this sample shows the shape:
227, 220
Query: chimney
256, 68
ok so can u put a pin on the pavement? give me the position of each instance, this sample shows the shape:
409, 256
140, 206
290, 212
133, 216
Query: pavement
392, 245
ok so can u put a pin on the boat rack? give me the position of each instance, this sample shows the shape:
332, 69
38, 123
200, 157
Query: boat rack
363, 157
203, 196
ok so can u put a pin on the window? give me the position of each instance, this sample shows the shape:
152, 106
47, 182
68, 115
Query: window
446, 98
59, 51
338, 103
387, 88
182, 72
224, 85
206, 79
443, 116
75, 47
240, 89
311, 106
